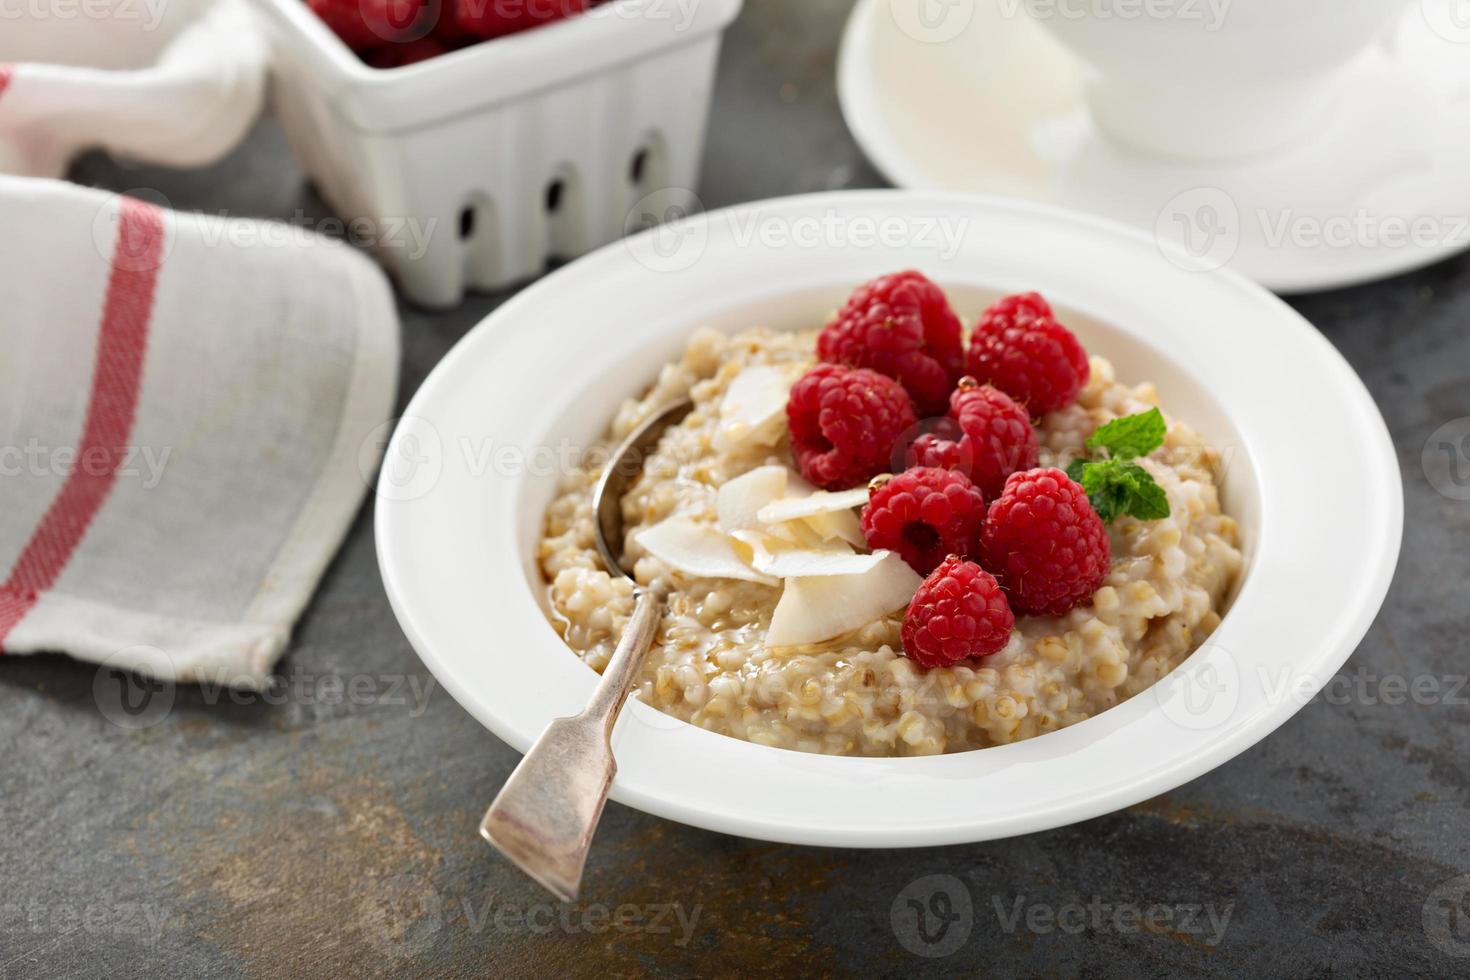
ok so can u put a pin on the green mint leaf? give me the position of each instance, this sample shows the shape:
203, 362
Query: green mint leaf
1147, 500
1130, 436
1115, 487
1076, 469
1106, 489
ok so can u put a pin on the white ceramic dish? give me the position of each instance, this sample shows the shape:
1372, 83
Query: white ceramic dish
1376, 187
177, 83
468, 144
456, 530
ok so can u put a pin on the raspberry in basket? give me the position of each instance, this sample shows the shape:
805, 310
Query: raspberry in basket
924, 514
900, 325
844, 424
406, 53
1020, 348
1044, 543
366, 24
959, 612
496, 18
995, 438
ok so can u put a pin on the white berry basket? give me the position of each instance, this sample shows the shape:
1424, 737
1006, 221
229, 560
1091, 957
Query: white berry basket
473, 169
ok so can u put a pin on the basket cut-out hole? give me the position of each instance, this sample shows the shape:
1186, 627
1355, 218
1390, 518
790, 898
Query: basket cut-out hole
554, 192
639, 166
467, 222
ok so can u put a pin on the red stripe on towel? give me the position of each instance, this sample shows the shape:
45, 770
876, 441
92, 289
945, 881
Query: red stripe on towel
113, 403
5, 72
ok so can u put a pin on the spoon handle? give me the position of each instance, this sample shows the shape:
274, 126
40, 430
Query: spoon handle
545, 815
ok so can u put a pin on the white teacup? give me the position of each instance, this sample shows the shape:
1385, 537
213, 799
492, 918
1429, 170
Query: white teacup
1213, 79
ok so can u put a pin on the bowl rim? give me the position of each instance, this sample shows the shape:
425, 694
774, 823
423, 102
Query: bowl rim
1126, 754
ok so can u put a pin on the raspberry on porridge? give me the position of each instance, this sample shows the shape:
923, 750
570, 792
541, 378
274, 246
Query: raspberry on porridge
993, 437
925, 514
839, 681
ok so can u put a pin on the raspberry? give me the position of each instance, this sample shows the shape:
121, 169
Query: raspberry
996, 438
958, 612
844, 422
1019, 347
449, 31
496, 18
902, 326
365, 24
924, 514
1045, 543
407, 53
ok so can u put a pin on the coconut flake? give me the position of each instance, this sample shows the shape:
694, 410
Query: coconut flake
841, 525
699, 550
739, 501
805, 514
792, 508
799, 533
797, 485
794, 563
754, 407
813, 609
787, 559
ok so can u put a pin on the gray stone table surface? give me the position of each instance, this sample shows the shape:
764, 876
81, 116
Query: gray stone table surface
311, 837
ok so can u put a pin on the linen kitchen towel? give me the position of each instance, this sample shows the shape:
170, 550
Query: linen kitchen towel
191, 409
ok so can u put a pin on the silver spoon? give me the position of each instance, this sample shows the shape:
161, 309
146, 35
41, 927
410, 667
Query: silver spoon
546, 813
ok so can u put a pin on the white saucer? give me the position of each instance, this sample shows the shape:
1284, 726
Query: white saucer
981, 99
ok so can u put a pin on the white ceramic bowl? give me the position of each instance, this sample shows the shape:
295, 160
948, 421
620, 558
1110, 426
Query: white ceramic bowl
1312, 477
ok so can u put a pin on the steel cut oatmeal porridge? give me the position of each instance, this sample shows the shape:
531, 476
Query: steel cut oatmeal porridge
857, 693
